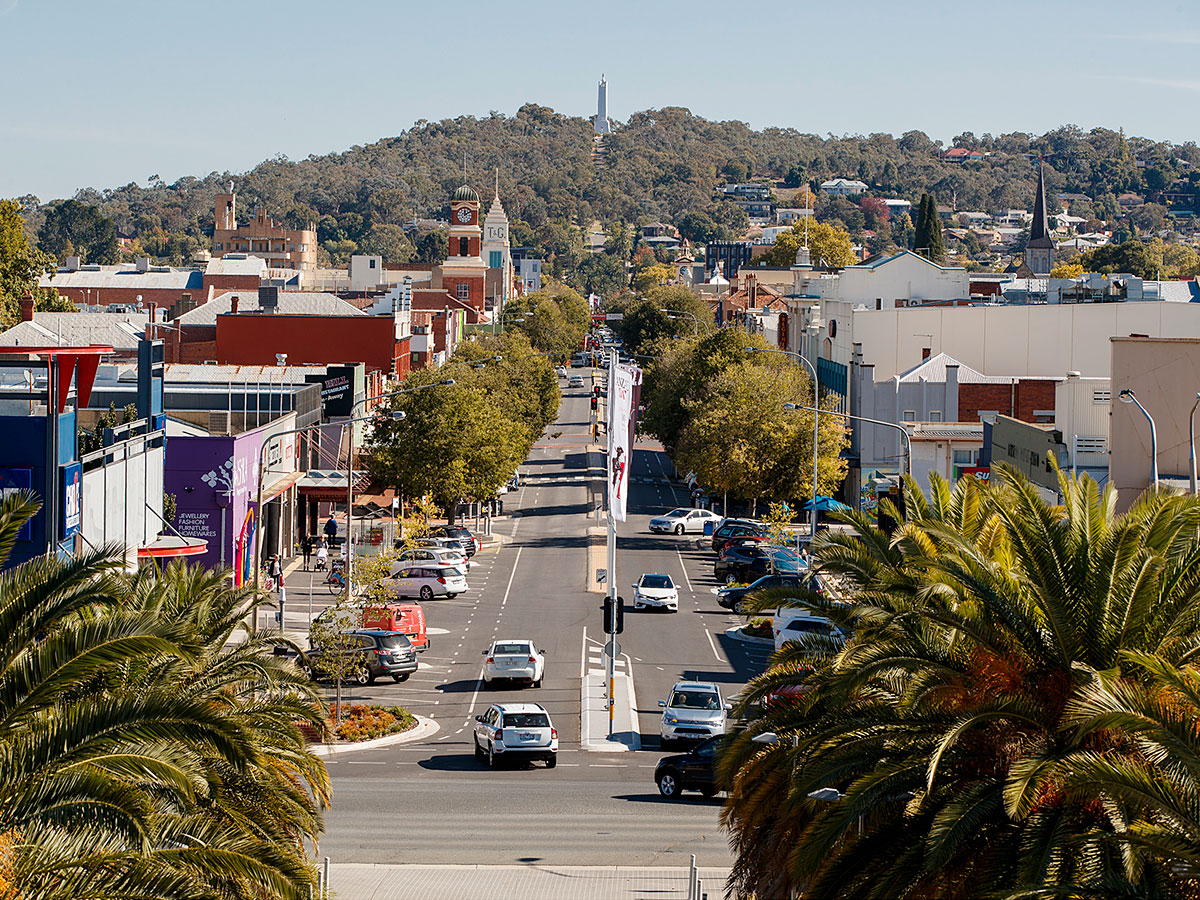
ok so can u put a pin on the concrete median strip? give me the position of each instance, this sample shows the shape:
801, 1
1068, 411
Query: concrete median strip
425, 728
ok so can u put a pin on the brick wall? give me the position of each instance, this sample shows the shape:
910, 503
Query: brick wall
1017, 400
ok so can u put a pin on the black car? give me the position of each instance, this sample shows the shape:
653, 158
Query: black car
376, 652
691, 771
734, 597
731, 528
747, 564
470, 544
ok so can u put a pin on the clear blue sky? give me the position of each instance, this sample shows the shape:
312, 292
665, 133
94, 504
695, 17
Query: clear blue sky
100, 93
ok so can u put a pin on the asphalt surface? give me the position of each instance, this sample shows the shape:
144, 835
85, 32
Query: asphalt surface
432, 802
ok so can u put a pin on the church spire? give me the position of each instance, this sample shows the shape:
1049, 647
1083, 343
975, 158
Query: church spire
1040, 228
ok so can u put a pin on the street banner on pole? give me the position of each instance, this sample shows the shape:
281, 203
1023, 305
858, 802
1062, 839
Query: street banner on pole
623, 382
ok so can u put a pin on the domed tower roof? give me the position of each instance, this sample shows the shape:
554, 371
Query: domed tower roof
466, 193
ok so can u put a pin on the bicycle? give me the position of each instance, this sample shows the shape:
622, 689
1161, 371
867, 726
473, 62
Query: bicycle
336, 581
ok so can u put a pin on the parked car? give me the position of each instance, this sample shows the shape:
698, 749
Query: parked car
692, 711
515, 731
790, 624
560, 371
691, 771
425, 581
471, 543
514, 660
464, 546
683, 520
574, 382
748, 564
731, 528
406, 618
735, 598
376, 652
438, 556
656, 590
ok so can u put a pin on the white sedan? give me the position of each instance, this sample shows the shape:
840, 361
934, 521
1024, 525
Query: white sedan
514, 660
656, 590
683, 519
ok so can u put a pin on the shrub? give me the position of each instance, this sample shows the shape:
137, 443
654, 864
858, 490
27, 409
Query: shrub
363, 723
759, 626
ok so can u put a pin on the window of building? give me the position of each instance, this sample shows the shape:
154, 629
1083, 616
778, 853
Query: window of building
964, 457
464, 291
909, 415
494, 259
219, 247
372, 263
935, 415
464, 247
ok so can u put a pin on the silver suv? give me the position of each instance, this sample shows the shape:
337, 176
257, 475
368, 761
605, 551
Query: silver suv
516, 731
693, 711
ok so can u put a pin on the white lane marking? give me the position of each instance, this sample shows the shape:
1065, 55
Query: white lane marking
708, 634
583, 654
685, 574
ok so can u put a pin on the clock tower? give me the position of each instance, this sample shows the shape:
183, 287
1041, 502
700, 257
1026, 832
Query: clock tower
463, 272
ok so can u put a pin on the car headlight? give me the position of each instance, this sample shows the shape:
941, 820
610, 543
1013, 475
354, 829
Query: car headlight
671, 720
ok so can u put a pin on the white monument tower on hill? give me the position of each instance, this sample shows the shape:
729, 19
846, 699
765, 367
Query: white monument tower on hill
603, 126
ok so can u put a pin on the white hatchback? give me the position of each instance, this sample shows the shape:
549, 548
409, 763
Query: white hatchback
656, 590
514, 660
425, 580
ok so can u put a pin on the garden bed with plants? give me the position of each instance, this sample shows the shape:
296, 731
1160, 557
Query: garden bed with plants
360, 722
758, 627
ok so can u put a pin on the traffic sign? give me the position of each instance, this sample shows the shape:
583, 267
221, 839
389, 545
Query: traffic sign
611, 650
613, 317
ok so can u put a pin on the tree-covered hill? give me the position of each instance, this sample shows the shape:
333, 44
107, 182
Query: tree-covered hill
660, 165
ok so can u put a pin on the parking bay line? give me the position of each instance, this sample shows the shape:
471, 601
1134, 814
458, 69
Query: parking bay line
708, 634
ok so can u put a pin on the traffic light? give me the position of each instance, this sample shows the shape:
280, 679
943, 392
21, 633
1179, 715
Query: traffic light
596, 389
614, 615
595, 404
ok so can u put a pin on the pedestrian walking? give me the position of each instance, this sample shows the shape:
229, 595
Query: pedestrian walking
331, 529
322, 556
276, 570
307, 546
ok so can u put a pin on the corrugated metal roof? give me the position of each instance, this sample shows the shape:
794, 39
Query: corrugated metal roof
52, 329
236, 264
306, 303
178, 373
963, 431
125, 278
934, 370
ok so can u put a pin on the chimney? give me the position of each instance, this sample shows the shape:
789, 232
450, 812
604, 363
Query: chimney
27, 308
233, 304
925, 351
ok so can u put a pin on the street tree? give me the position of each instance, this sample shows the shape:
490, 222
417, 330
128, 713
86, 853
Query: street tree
559, 318
740, 440
390, 242
829, 246
928, 238
521, 384
599, 274
21, 265
652, 276
336, 649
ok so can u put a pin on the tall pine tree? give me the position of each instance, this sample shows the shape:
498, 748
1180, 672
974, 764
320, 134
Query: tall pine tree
928, 240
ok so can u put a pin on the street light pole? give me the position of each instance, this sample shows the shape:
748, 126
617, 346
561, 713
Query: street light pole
812, 513
682, 312
1128, 396
900, 428
1192, 441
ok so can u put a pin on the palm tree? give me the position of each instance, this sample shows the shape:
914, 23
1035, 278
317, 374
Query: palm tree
954, 725
138, 756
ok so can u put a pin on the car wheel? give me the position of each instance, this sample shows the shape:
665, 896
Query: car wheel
451, 596
679, 529
426, 592
309, 673
491, 756
363, 676
479, 754
739, 607
709, 792
730, 578
668, 784
537, 684
400, 678
552, 762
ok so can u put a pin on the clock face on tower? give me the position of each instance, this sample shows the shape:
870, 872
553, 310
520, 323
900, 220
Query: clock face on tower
464, 215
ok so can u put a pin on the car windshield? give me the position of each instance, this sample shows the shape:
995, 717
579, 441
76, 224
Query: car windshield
695, 700
510, 648
676, 513
394, 642
657, 581
526, 720
810, 626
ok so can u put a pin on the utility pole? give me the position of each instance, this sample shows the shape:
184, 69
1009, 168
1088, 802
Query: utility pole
612, 550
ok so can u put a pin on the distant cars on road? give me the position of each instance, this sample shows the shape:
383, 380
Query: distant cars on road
514, 660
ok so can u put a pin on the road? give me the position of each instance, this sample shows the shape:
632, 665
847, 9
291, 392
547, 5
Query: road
433, 803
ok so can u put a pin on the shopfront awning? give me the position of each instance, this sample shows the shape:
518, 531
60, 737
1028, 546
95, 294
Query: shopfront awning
281, 484
327, 484
172, 546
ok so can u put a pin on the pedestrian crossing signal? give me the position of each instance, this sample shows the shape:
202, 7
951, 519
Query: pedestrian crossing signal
614, 615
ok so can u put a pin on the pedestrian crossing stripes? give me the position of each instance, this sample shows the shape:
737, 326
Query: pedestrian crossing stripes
596, 661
